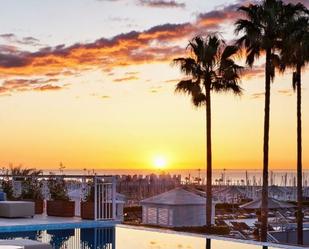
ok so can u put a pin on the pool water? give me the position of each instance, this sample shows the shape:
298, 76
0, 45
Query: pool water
122, 237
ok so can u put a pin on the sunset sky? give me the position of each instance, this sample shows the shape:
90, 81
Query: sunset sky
90, 83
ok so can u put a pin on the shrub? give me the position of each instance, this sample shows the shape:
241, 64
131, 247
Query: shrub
58, 189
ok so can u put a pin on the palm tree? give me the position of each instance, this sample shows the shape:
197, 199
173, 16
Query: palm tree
260, 29
295, 54
210, 67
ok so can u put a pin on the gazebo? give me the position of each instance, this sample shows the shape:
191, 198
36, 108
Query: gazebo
175, 208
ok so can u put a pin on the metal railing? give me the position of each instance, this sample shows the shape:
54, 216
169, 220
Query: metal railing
271, 238
104, 198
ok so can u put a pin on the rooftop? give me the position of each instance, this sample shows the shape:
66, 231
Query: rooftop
177, 196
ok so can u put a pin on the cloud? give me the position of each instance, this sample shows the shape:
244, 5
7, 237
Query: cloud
100, 96
48, 87
20, 85
256, 71
225, 14
155, 89
12, 38
156, 44
162, 4
286, 92
122, 50
172, 81
257, 95
131, 73
129, 78
119, 19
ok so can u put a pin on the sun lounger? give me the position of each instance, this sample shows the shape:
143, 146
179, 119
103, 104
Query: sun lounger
15, 209
25, 244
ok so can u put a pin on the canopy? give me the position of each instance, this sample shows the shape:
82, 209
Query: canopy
177, 196
272, 204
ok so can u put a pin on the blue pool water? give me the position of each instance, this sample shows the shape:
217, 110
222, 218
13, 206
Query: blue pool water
122, 237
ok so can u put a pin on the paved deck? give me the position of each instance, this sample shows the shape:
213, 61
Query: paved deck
43, 222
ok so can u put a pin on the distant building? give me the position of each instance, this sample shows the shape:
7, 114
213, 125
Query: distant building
175, 208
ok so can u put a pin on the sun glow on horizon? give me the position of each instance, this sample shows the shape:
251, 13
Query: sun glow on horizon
160, 162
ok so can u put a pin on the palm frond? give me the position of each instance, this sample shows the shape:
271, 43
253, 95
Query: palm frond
192, 89
229, 51
294, 80
187, 86
188, 66
199, 99
211, 64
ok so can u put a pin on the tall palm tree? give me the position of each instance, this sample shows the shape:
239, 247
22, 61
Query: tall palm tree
210, 67
260, 29
295, 54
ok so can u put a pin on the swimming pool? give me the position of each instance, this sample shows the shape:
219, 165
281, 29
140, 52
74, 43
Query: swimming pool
125, 237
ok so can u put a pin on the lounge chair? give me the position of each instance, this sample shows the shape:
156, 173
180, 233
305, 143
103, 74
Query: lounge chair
25, 244
16, 209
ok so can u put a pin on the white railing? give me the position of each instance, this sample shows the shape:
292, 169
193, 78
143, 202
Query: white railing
271, 238
238, 234
104, 198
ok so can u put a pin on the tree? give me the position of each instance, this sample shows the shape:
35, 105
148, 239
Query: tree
210, 67
295, 54
261, 29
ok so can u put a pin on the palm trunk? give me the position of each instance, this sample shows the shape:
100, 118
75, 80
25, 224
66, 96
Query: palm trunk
299, 161
264, 209
209, 160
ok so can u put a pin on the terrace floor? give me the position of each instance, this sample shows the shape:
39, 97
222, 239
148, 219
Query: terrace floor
44, 222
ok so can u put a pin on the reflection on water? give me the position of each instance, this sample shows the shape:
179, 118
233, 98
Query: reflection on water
150, 239
125, 238
208, 243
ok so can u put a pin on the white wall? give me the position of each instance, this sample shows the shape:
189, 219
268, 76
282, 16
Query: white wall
176, 216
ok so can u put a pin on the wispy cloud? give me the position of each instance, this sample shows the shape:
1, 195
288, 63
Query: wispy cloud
124, 79
132, 73
286, 92
155, 89
256, 71
257, 95
172, 81
162, 3
48, 87
12, 38
21, 85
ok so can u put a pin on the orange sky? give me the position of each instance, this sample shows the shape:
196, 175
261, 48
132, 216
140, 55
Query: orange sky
109, 102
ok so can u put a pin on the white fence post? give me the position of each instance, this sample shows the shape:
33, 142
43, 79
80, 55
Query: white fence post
114, 204
95, 183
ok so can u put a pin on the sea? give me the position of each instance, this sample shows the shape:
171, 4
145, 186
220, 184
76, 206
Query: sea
220, 176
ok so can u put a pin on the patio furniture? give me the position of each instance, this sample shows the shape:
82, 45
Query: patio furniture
25, 244
16, 209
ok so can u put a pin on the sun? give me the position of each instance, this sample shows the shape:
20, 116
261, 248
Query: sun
160, 162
